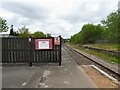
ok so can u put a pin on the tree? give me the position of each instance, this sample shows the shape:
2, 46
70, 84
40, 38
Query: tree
109, 30
24, 32
38, 34
48, 35
89, 34
11, 30
16, 33
3, 25
111, 24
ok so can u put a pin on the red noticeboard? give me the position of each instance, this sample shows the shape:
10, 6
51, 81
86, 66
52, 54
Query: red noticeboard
57, 40
42, 44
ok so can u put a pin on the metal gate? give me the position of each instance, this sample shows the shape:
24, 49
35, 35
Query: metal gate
23, 50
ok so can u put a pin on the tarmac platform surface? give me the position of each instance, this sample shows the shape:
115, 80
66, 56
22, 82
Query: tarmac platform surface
68, 75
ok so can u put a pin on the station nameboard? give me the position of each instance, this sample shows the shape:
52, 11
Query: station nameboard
57, 40
42, 44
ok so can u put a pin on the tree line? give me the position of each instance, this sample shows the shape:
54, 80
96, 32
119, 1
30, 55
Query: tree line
108, 30
22, 32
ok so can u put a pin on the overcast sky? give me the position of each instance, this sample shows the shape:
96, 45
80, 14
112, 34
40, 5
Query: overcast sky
58, 17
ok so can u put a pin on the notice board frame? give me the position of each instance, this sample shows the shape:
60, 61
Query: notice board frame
50, 40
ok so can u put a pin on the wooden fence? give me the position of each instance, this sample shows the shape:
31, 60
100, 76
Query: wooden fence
20, 50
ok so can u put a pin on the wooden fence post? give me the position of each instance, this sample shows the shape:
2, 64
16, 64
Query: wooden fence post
60, 54
30, 50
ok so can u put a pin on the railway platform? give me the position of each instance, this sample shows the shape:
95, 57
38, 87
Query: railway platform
68, 75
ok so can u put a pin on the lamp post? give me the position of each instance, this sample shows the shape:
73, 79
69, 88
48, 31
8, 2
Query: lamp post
118, 21
119, 6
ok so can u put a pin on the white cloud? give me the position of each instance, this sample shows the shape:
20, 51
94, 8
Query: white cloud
58, 17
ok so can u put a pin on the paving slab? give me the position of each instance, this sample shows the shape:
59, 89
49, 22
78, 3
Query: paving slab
69, 75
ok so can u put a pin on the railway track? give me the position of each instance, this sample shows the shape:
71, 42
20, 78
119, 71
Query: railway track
81, 59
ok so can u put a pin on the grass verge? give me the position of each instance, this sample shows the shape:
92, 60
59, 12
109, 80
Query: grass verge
101, 55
